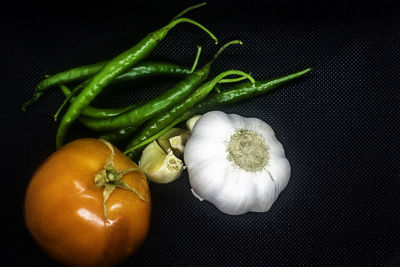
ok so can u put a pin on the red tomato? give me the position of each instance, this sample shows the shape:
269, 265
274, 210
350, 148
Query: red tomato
65, 214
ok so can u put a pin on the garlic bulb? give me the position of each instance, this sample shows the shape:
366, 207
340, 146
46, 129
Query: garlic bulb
236, 163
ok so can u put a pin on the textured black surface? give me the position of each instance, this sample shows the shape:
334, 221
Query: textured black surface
339, 125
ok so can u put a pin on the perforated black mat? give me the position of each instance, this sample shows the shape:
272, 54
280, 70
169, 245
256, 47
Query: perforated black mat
339, 125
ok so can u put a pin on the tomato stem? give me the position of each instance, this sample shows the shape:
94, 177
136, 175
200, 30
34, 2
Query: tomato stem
111, 178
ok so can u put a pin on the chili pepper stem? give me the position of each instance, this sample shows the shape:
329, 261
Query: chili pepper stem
196, 60
207, 65
233, 80
225, 46
160, 34
65, 89
188, 9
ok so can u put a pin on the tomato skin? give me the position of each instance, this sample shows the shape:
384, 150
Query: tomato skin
64, 211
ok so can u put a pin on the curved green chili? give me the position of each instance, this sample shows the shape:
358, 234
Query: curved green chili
117, 136
99, 113
158, 123
142, 70
238, 93
114, 68
242, 92
150, 68
139, 71
71, 75
82, 73
138, 115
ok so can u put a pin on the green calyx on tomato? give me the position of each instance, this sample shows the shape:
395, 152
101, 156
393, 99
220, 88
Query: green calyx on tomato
111, 178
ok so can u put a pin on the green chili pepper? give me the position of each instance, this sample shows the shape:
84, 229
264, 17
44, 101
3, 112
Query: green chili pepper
82, 73
72, 75
145, 69
98, 113
163, 102
238, 93
242, 92
141, 70
155, 124
114, 68
117, 136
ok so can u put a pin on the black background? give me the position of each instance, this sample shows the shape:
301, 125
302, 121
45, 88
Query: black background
339, 124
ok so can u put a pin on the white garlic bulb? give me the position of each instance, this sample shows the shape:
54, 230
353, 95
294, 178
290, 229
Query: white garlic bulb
236, 163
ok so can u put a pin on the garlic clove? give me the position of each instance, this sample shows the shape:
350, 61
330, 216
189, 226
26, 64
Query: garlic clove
159, 166
279, 169
216, 121
259, 126
207, 177
174, 140
275, 147
265, 192
192, 121
237, 121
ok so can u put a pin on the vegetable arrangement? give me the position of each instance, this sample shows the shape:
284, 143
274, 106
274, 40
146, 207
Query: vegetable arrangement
89, 204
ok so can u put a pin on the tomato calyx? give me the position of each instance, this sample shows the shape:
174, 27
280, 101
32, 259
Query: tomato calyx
111, 178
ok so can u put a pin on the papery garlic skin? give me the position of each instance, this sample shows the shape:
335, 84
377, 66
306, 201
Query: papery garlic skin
215, 178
